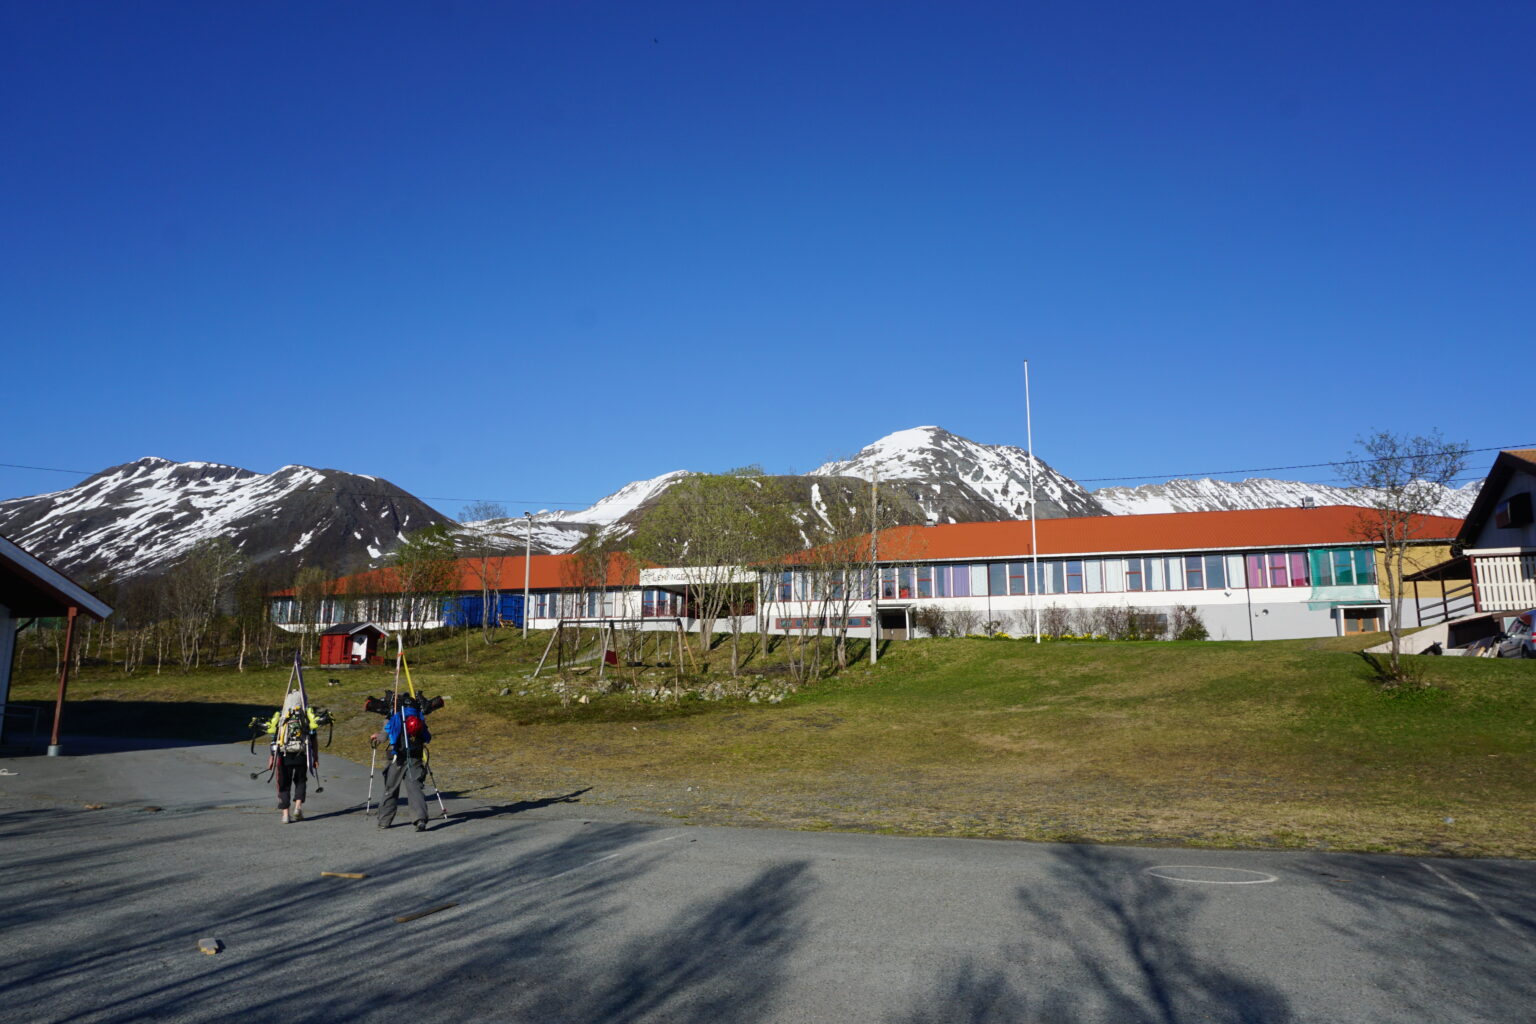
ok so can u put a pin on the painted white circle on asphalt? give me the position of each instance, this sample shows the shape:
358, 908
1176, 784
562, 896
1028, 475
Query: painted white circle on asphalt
1210, 875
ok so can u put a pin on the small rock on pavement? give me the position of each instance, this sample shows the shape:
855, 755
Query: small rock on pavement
209, 946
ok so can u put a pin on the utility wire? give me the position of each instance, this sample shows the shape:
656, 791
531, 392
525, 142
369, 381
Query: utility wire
578, 505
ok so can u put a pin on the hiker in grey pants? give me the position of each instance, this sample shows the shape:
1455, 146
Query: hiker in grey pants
411, 773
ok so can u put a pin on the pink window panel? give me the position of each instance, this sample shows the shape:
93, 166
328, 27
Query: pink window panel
1299, 576
1256, 575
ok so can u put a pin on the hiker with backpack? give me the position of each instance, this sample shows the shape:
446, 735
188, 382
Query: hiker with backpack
406, 736
293, 727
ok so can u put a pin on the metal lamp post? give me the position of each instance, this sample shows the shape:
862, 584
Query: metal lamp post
527, 558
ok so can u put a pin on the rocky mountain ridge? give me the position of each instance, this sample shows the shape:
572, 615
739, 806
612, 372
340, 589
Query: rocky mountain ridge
137, 519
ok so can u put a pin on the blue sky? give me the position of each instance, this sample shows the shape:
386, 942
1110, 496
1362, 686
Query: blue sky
533, 251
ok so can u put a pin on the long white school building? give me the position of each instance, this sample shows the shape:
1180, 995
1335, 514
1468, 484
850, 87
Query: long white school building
1261, 574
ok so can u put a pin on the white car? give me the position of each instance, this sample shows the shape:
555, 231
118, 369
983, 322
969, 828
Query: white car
1519, 640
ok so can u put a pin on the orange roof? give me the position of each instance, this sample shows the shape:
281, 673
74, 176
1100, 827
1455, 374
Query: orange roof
1168, 531
545, 572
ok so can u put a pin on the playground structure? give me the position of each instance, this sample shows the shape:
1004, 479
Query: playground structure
621, 642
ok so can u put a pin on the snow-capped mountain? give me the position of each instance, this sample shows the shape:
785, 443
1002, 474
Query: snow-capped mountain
561, 531
137, 519
1208, 495
965, 481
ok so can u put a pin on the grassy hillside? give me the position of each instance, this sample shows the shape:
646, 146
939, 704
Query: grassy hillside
1283, 744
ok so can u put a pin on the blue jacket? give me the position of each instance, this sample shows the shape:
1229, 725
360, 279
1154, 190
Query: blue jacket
394, 732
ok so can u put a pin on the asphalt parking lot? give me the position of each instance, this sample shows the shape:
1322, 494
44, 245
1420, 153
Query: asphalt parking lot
554, 910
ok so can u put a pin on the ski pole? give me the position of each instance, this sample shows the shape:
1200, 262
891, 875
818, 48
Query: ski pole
437, 790
372, 760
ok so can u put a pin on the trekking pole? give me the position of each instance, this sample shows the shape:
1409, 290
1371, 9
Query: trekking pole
372, 760
437, 790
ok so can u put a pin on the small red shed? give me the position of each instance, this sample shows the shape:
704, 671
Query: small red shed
350, 644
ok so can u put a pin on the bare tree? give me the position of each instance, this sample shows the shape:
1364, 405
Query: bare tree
194, 588
426, 567
484, 547
311, 589
713, 527
1400, 480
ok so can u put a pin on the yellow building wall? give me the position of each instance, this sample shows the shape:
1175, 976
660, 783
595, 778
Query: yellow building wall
1420, 557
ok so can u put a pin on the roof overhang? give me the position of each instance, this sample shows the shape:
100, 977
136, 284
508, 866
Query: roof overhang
30, 586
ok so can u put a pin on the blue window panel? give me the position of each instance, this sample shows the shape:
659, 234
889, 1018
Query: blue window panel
1133, 574
1074, 576
997, 579
960, 581
1194, 572
1016, 578
1215, 572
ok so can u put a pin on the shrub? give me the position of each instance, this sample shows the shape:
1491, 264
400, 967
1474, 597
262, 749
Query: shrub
1055, 621
933, 620
1185, 624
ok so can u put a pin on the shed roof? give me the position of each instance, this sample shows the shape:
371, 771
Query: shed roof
30, 586
348, 628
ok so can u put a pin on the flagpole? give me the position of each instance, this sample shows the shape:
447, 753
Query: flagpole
1034, 549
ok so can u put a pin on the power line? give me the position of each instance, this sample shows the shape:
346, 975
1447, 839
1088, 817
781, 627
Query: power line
565, 505
1279, 469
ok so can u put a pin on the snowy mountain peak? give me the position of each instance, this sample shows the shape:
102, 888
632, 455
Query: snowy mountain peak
138, 518
981, 480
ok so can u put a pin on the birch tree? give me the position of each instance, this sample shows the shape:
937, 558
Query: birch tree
712, 527
1399, 480
484, 548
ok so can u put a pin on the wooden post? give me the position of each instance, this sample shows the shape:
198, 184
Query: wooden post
54, 750
552, 637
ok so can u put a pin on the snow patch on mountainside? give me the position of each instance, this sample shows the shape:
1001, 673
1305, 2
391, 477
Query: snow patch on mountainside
140, 517
995, 477
1207, 495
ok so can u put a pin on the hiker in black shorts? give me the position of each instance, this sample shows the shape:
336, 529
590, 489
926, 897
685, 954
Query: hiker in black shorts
293, 728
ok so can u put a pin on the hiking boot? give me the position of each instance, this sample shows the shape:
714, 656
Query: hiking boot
421, 826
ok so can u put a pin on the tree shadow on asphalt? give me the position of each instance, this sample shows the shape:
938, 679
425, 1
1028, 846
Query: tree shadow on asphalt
1478, 915
1116, 950
517, 807
531, 936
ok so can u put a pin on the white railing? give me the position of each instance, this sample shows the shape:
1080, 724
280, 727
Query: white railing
1506, 582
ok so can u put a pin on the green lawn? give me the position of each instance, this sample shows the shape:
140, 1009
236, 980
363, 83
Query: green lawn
1280, 744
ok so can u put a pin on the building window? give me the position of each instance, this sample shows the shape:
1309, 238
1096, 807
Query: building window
1215, 572
1194, 573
